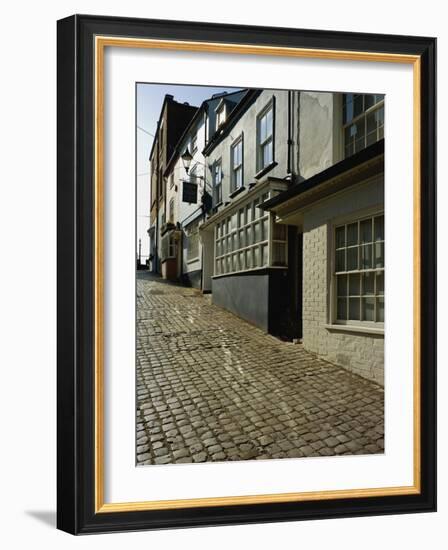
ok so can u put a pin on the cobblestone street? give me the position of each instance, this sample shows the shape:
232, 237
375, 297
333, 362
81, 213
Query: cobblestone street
211, 387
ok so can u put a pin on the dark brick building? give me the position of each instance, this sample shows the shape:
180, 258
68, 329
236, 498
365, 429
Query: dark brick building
174, 118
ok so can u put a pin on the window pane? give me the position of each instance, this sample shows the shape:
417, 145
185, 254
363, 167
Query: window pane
379, 115
371, 138
249, 259
379, 228
368, 284
239, 178
266, 154
242, 241
369, 101
340, 260
366, 231
372, 122
358, 131
279, 232
269, 121
241, 217
257, 211
354, 285
353, 309
342, 285
348, 107
262, 128
235, 156
257, 232
352, 234
358, 104
352, 258
366, 256
380, 310
341, 312
248, 213
368, 309
278, 254
349, 141
265, 229
379, 254
340, 237
233, 221
241, 260
380, 283
257, 256
264, 254
249, 235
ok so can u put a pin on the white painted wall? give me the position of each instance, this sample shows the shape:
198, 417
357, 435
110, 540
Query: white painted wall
360, 353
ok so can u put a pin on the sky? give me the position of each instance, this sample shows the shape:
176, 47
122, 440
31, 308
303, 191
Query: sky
149, 103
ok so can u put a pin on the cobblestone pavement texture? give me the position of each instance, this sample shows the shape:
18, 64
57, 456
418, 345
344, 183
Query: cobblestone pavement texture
211, 387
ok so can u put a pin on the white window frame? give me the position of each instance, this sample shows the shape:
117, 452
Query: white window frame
192, 230
270, 106
362, 117
171, 210
347, 324
239, 167
216, 164
169, 244
221, 114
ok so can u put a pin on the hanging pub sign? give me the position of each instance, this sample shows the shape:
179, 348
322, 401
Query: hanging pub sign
190, 192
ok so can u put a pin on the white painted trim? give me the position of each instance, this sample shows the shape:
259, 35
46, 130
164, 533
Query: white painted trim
355, 328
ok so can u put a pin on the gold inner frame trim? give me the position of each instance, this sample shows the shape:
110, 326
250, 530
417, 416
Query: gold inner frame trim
101, 42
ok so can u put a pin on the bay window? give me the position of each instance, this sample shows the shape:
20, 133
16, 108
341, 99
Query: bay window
249, 239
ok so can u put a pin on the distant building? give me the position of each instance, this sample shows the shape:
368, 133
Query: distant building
188, 193
174, 118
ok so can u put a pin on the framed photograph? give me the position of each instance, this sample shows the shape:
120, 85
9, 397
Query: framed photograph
246, 274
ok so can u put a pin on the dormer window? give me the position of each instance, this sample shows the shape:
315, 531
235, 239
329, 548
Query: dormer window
220, 114
194, 143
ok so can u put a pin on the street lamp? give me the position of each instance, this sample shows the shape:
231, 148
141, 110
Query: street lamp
186, 159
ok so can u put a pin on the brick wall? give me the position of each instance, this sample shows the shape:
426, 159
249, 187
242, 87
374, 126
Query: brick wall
360, 353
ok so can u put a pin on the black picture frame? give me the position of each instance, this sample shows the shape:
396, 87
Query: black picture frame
76, 271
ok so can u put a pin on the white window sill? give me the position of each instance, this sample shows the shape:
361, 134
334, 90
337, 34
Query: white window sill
193, 260
243, 271
356, 328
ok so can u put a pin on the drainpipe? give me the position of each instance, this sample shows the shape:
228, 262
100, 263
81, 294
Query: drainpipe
289, 132
156, 251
